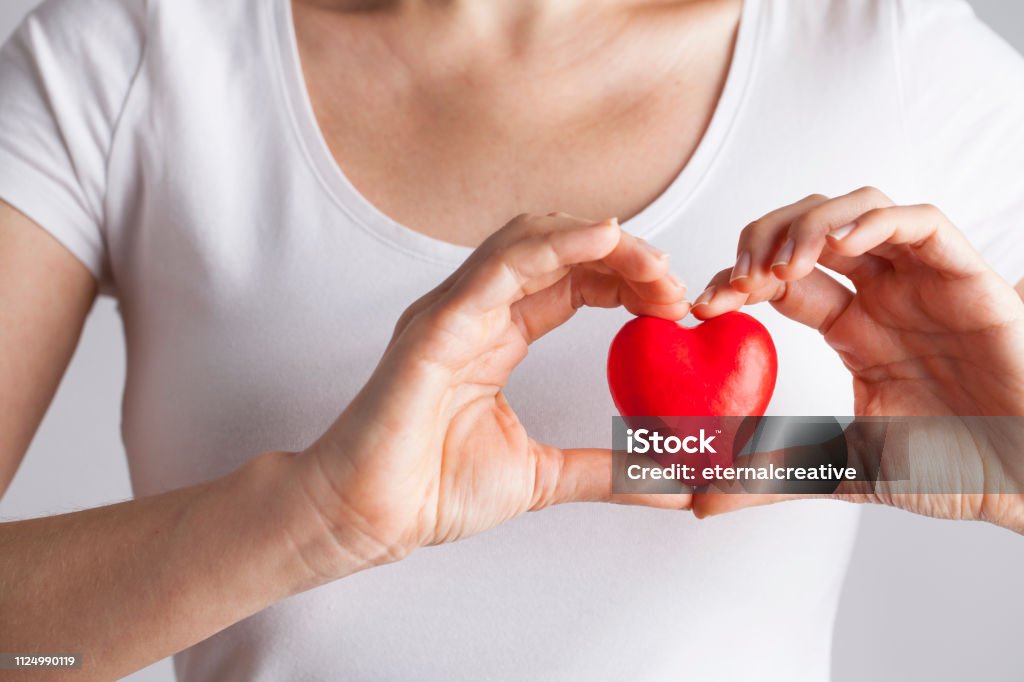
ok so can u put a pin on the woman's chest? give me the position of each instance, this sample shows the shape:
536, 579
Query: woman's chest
454, 150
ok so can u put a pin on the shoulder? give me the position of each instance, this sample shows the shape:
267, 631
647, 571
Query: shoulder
73, 59
76, 21
80, 37
918, 40
825, 35
915, 13
861, 17
114, 22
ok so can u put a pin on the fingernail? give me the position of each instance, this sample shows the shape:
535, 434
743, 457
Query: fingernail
785, 253
658, 253
843, 231
742, 268
675, 281
705, 298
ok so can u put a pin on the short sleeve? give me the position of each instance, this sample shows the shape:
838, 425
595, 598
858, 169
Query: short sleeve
64, 77
964, 108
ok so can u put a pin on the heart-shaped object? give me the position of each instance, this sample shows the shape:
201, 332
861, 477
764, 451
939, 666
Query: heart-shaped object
725, 367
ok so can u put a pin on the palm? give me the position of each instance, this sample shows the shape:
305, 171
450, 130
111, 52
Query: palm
486, 471
912, 337
472, 465
948, 352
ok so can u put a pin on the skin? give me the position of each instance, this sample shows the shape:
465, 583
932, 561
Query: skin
429, 451
957, 351
561, 107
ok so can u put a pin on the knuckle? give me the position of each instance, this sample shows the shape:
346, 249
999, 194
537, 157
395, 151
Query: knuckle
809, 223
752, 230
872, 194
442, 311
498, 254
803, 225
415, 310
492, 269
519, 223
502, 263
445, 317
933, 212
548, 471
721, 278
875, 215
404, 319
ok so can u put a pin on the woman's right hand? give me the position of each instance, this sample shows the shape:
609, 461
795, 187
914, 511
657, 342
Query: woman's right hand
430, 451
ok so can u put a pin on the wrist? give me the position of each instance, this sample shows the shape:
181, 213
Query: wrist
282, 515
327, 538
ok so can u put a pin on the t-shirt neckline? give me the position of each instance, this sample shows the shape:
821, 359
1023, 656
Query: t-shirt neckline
668, 208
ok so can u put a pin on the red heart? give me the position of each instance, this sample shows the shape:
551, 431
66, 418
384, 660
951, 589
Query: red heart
725, 367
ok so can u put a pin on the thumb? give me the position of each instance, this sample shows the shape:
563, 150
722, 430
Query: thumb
585, 475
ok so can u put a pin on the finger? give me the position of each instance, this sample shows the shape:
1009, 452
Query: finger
637, 259
806, 243
585, 475
520, 227
715, 504
720, 296
539, 313
646, 269
915, 234
790, 265
760, 241
816, 301
666, 289
528, 225
595, 290
516, 229
705, 505
511, 272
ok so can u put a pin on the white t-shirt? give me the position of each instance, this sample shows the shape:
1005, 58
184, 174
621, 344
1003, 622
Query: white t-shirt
171, 146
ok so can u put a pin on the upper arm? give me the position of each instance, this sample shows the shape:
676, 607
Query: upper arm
65, 76
45, 296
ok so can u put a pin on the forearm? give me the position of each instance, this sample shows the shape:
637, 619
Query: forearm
128, 584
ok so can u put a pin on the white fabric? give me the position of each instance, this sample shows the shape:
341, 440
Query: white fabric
170, 145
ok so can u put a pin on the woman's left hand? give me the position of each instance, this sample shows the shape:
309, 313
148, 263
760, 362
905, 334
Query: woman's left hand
930, 328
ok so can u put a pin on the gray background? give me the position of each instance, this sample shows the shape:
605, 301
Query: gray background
924, 599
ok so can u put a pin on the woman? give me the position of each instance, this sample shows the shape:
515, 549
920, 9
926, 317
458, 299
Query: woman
265, 187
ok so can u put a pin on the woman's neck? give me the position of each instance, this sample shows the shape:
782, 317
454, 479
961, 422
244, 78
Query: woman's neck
506, 28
